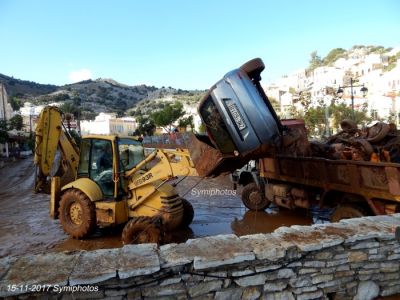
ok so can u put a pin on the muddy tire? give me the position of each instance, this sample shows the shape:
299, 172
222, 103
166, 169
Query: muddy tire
253, 68
253, 199
141, 230
188, 213
342, 212
77, 214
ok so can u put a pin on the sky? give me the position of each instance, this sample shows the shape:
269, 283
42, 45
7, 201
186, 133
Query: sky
181, 43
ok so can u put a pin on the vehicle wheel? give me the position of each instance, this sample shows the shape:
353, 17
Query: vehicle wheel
77, 214
347, 212
253, 68
252, 198
188, 213
140, 230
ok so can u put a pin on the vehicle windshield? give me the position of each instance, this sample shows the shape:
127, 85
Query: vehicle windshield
216, 127
130, 153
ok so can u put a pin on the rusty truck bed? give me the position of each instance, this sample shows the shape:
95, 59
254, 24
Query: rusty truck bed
369, 179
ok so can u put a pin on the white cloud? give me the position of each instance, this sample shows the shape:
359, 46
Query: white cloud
79, 75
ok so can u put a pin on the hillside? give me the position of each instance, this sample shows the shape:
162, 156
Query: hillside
21, 88
100, 95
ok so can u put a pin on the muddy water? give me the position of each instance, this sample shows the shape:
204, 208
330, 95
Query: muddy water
25, 226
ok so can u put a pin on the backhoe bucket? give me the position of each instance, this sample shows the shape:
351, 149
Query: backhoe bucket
209, 161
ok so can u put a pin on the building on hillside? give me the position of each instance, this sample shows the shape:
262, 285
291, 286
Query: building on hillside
106, 123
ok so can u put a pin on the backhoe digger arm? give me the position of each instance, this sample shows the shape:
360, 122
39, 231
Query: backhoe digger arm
51, 145
171, 163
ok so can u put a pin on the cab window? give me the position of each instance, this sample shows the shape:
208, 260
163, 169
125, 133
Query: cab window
130, 153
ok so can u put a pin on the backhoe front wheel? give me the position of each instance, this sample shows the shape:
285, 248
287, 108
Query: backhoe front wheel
77, 214
140, 230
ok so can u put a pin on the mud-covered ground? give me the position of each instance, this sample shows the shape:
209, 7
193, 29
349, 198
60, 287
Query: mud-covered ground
26, 228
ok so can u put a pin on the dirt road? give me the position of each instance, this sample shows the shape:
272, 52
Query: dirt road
25, 226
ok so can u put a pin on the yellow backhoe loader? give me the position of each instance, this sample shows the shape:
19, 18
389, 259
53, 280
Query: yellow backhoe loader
111, 182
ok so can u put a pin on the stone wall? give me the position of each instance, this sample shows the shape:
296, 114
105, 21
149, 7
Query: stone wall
353, 259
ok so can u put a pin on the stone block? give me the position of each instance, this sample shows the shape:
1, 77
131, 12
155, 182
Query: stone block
300, 282
208, 252
242, 273
251, 293
308, 238
365, 245
321, 278
252, 280
367, 290
204, 288
357, 256
165, 290
265, 246
229, 294
275, 286
95, 266
314, 264
44, 269
310, 295
136, 260
284, 295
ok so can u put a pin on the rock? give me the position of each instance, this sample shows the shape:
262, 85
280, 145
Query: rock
204, 288
367, 290
43, 269
310, 295
166, 290
208, 252
285, 295
285, 273
229, 294
321, 278
265, 246
135, 260
251, 293
95, 266
275, 286
258, 279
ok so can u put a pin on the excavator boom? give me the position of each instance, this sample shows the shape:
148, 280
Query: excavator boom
55, 150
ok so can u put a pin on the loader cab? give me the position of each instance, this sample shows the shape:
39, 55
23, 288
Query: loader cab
104, 159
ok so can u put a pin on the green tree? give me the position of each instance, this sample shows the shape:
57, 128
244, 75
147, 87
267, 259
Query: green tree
70, 108
168, 115
16, 103
334, 55
3, 132
16, 122
341, 111
315, 61
146, 126
185, 122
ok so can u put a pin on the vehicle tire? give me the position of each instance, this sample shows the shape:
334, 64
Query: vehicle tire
342, 212
77, 214
252, 198
141, 230
188, 213
253, 68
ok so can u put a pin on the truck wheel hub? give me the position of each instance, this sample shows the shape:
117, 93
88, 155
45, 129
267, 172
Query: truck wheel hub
75, 213
255, 197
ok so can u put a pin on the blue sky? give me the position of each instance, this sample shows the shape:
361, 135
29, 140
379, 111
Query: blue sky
181, 43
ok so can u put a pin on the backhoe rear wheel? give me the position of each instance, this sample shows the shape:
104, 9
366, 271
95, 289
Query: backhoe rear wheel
253, 199
188, 213
140, 230
77, 214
